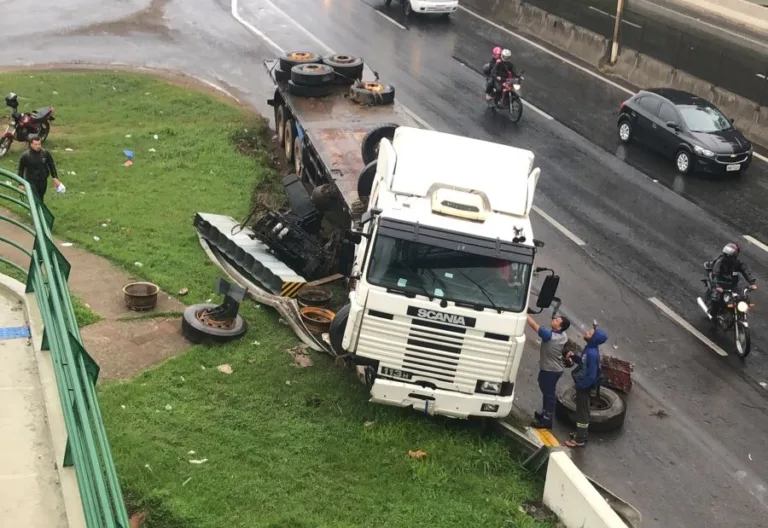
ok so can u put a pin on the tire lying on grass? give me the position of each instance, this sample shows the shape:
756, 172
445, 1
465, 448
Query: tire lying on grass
372, 93
301, 90
196, 331
607, 412
289, 59
312, 74
347, 67
369, 149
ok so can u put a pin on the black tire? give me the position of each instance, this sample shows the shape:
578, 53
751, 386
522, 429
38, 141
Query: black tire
387, 2
290, 134
197, 332
45, 130
301, 90
365, 180
625, 131
746, 346
291, 58
407, 9
347, 67
373, 93
337, 329
370, 146
281, 116
298, 158
516, 109
5, 146
683, 166
282, 75
312, 74
609, 415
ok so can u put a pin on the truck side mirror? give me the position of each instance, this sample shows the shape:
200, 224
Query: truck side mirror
548, 291
369, 215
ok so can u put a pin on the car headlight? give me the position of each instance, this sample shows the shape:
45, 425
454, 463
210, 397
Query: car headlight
703, 152
742, 307
516, 87
491, 387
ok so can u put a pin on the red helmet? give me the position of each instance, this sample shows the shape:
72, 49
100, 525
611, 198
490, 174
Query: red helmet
497, 52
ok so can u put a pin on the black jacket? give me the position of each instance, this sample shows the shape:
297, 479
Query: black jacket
36, 166
723, 269
501, 69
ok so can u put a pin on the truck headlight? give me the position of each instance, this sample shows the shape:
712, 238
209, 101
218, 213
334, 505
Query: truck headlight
742, 307
491, 387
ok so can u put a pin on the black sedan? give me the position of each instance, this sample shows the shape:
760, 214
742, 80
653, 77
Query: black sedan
687, 128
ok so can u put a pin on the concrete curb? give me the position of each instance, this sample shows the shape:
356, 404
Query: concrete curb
744, 13
574, 500
632, 66
55, 416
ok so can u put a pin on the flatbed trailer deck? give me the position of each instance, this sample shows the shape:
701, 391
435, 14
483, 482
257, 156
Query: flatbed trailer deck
330, 130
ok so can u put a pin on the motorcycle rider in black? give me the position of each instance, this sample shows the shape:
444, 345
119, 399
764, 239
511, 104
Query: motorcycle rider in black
723, 269
500, 70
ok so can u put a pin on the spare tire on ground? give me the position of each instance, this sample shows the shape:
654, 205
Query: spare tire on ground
372, 93
348, 67
290, 59
198, 329
337, 329
312, 74
607, 413
370, 146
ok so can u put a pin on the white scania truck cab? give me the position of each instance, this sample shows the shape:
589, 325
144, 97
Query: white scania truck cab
442, 275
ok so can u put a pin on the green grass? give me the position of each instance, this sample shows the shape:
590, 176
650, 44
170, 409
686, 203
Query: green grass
285, 447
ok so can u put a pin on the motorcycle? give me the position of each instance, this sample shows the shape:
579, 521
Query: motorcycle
23, 126
509, 99
733, 315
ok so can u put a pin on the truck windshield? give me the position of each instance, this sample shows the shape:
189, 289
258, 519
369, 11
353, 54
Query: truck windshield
422, 269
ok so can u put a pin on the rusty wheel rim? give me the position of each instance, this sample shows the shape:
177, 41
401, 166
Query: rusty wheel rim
204, 318
373, 87
300, 55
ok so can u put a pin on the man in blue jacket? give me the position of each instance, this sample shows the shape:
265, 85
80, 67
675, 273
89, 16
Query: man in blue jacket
586, 376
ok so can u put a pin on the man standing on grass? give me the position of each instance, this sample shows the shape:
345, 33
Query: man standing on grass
35, 165
550, 366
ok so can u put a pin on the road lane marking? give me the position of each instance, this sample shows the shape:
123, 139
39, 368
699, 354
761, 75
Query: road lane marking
614, 17
760, 156
753, 240
395, 22
560, 227
236, 15
682, 322
761, 76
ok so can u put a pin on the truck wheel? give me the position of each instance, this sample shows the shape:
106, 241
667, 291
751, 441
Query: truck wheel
290, 134
606, 413
348, 67
298, 158
312, 74
365, 180
301, 90
280, 116
373, 93
282, 75
291, 58
370, 147
337, 329
196, 331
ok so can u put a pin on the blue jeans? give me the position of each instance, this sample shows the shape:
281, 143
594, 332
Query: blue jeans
548, 386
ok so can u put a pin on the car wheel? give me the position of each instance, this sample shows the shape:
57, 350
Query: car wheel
607, 412
365, 180
196, 331
370, 145
337, 329
683, 162
625, 131
312, 74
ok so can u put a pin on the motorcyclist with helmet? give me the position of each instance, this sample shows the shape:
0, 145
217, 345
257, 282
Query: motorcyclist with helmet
499, 71
724, 275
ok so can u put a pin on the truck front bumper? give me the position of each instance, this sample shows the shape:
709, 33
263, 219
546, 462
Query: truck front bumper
442, 402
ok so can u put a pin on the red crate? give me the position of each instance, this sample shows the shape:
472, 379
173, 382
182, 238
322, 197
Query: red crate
617, 373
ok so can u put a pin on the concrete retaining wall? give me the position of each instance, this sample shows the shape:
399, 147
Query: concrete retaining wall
571, 497
632, 66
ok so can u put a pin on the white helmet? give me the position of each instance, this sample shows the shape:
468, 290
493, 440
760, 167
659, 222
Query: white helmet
506, 54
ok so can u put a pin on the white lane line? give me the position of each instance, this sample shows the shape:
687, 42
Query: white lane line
753, 240
614, 17
682, 322
760, 156
547, 51
395, 22
236, 14
760, 75
560, 227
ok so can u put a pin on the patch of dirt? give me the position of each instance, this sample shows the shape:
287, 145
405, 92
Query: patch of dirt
148, 20
540, 512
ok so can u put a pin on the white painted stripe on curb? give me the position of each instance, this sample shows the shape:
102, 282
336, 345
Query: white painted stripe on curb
682, 322
756, 242
560, 227
393, 21
760, 157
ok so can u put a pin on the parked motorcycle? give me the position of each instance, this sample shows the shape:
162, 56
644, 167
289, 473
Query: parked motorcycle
733, 314
509, 99
23, 126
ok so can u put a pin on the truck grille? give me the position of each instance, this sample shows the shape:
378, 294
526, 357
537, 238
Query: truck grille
433, 349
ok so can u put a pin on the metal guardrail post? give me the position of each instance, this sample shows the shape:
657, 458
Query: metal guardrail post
76, 371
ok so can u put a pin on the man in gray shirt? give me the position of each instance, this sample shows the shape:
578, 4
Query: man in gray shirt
550, 366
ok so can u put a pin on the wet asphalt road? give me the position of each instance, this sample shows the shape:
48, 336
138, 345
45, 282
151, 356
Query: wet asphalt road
704, 464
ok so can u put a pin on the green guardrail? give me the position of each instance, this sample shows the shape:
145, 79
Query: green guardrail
76, 371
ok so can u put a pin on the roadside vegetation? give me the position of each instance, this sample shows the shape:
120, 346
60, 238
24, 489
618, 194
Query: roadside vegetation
239, 436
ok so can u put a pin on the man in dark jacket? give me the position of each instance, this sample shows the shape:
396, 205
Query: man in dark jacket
725, 270
35, 165
586, 376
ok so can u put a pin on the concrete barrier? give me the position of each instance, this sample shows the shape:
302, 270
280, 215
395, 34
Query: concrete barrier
631, 66
571, 497
748, 14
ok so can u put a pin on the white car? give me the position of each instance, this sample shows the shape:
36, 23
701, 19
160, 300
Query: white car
427, 7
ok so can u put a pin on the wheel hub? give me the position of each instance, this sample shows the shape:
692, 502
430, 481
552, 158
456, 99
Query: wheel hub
204, 317
300, 55
343, 58
373, 87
